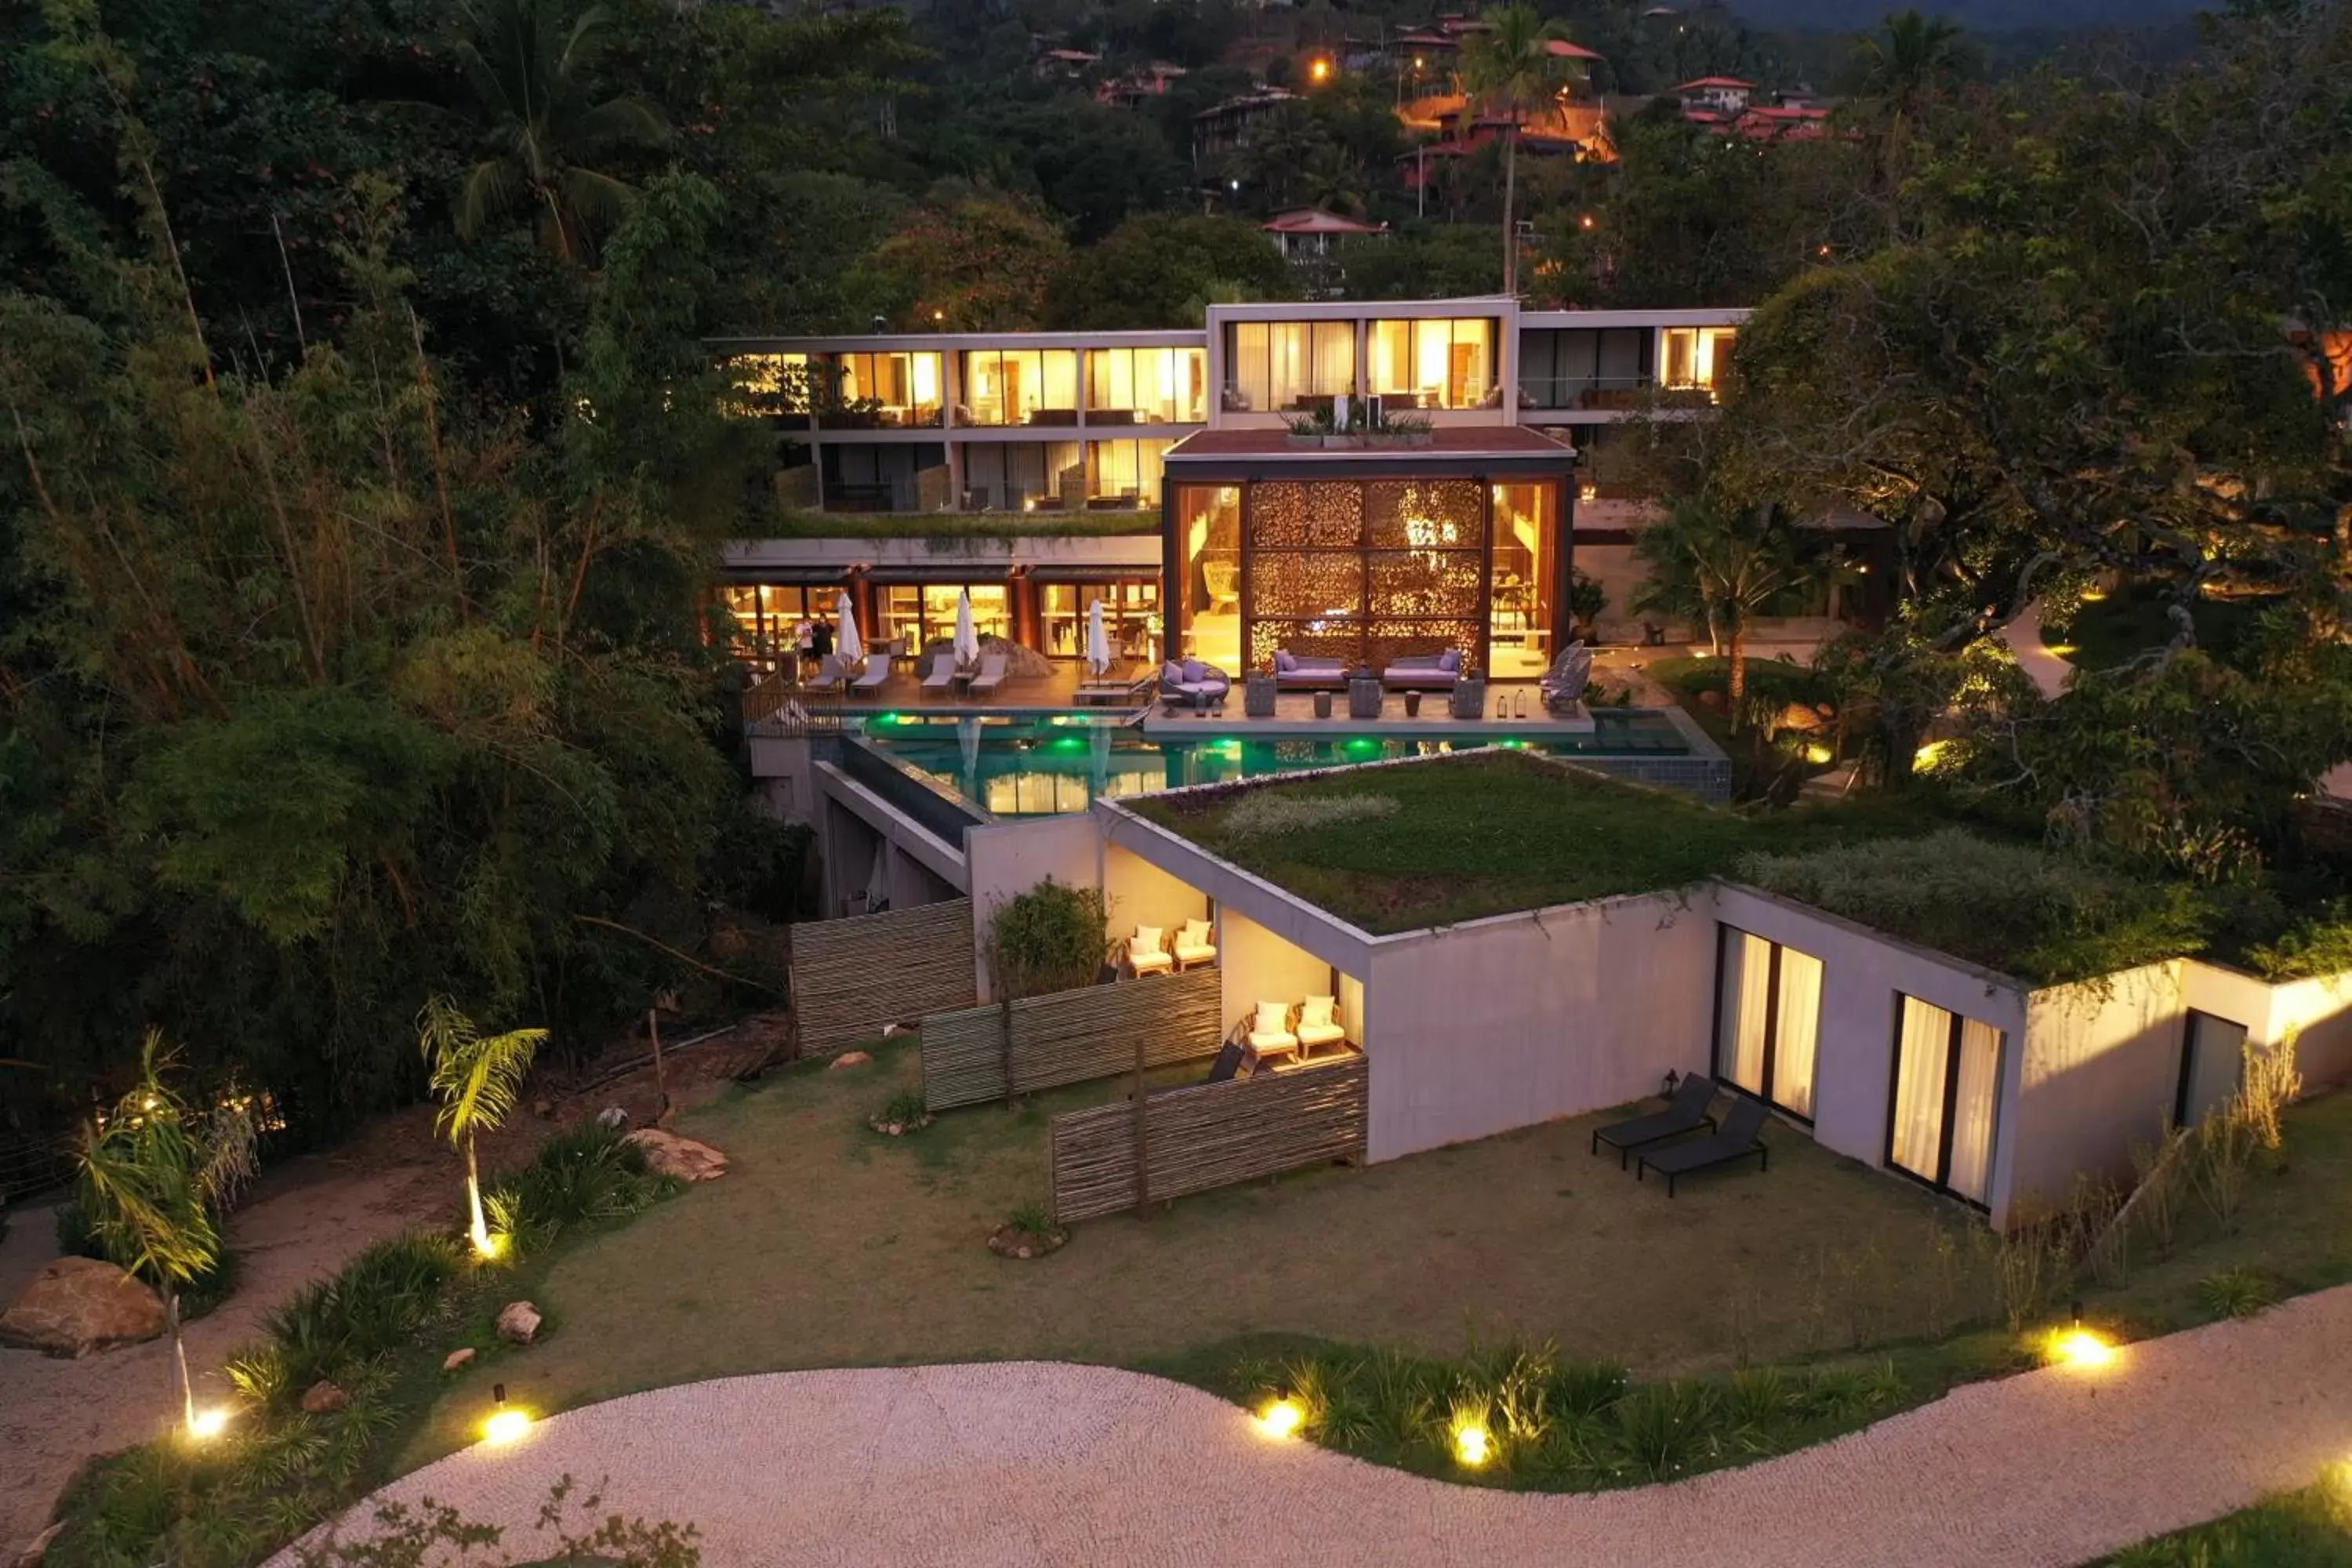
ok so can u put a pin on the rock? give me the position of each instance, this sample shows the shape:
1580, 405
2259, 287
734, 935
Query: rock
1797, 715
457, 1358
667, 1154
323, 1399
612, 1116
848, 1060
1711, 700
35, 1554
892, 1031
519, 1321
543, 1109
76, 1306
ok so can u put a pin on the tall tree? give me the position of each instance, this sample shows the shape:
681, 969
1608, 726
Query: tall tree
1721, 566
526, 73
1910, 57
1511, 71
155, 1175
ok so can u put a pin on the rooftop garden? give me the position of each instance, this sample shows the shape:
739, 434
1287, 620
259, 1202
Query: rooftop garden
1121, 523
1456, 839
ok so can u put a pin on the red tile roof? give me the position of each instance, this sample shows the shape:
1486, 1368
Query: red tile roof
1716, 81
1315, 220
1563, 49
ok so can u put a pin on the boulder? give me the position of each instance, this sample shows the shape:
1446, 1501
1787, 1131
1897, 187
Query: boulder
543, 1109
612, 1116
323, 1399
76, 1306
1798, 717
667, 1154
458, 1359
38, 1553
848, 1060
519, 1321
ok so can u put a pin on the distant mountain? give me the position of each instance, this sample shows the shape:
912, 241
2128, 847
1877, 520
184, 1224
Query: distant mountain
1977, 16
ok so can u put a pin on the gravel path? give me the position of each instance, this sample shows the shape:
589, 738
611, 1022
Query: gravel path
1048, 1463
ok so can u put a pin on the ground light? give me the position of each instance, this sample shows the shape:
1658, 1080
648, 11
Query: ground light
207, 1424
506, 1423
2078, 1346
1473, 1445
1281, 1418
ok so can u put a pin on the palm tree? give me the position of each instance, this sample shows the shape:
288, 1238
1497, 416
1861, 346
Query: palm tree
479, 1080
155, 1176
1721, 567
1915, 55
1510, 71
524, 69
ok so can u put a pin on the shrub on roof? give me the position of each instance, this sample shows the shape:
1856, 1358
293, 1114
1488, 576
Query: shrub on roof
2026, 912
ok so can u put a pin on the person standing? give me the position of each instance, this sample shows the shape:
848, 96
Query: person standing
821, 641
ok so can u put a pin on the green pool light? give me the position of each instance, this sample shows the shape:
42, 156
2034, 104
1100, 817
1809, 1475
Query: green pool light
889, 718
1363, 743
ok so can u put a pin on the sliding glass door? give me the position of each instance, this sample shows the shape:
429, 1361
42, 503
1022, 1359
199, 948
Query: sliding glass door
1946, 1089
1767, 1017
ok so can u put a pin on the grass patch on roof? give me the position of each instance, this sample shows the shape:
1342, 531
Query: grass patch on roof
1486, 834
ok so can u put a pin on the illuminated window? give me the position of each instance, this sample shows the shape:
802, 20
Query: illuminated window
1947, 1092
1020, 386
1125, 470
1433, 364
1767, 1017
1695, 357
1130, 616
773, 383
1276, 366
886, 389
1155, 386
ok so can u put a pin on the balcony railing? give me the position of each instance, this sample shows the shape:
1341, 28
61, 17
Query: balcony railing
1606, 392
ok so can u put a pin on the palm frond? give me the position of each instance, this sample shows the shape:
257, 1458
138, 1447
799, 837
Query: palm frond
598, 200
622, 122
492, 188
478, 1078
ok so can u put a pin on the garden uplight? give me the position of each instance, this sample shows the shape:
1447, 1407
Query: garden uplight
2081, 1348
1473, 1445
506, 1423
206, 1425
1282, 1418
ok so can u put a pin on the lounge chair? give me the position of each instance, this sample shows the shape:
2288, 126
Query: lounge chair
1228, 1064
1145, 955
1196, 943
1298, 672
1193, 684
941, 676
1269, 1030
1564, 683
870, 679
832, 673
1686, 1113
1424, 672
991, 676
1742, 1135
1318, 1024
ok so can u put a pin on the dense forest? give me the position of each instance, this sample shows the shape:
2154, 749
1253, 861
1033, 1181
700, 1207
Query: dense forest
363, 466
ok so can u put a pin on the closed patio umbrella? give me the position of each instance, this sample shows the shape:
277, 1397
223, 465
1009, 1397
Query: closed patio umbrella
847, 645
966, 641
1098, 760
968, 738
1097, 640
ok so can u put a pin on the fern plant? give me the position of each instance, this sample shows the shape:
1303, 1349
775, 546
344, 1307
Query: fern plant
478, 1078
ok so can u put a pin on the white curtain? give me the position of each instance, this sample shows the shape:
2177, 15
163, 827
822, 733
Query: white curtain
1746, 981
1972, 1110
1795, 1030
1919, 1086
2217, 1062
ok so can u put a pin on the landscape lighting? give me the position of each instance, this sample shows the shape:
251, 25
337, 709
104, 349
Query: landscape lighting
1281, 1418
206, 1425
506, 1423
1473, 1445
2082, 1347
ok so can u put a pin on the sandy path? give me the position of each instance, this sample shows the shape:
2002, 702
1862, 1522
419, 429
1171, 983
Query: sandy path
1046, 1463
314, 1212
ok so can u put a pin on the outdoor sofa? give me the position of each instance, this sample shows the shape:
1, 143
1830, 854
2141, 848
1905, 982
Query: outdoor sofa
1193, 684
1302, 672
1424, 672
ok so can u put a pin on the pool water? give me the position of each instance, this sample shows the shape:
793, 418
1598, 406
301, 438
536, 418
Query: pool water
1048, 766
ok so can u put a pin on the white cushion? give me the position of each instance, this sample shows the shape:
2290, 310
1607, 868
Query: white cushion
1146, 940
1273, 1018
1193, 934
1316, 1010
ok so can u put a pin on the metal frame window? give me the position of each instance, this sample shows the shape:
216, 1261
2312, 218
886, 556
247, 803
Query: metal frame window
1943, 1099
1767, 1020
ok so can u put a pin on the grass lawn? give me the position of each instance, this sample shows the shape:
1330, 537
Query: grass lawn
2120, 628
826, 1244
2307, 1528
1484, 834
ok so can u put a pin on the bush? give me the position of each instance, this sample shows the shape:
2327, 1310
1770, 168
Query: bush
380, 1299
197, 1296
1052, 938
2236, 1292
588, 1172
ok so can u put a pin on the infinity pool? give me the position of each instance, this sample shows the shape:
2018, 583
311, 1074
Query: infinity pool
1047, 767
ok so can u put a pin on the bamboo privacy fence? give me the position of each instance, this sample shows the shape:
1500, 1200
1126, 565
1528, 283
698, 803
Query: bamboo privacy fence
852, 976
1183, 1140
1070, 1037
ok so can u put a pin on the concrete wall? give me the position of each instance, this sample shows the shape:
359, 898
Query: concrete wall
1862, 972
1141, 894
1005, 859
2320, 1012
2100, 1068
1476, 1029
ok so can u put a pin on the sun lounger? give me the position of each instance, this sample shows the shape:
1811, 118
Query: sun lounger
1686, 1113
1228, 1063
832, 673
991, 676
941, 676
869, 680
1742, 1135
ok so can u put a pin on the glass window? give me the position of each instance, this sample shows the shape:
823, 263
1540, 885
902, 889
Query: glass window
773, 383
990, 617
1286, 366
768, 618
1695, 357
1943, 1059
1147, 386
1208, 594
1124, 471
1433, 364
1767, 1019
1130, 618
1020, 386
886, 389
1526, 572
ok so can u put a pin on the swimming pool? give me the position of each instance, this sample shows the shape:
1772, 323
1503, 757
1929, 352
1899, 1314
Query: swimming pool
1047, 766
